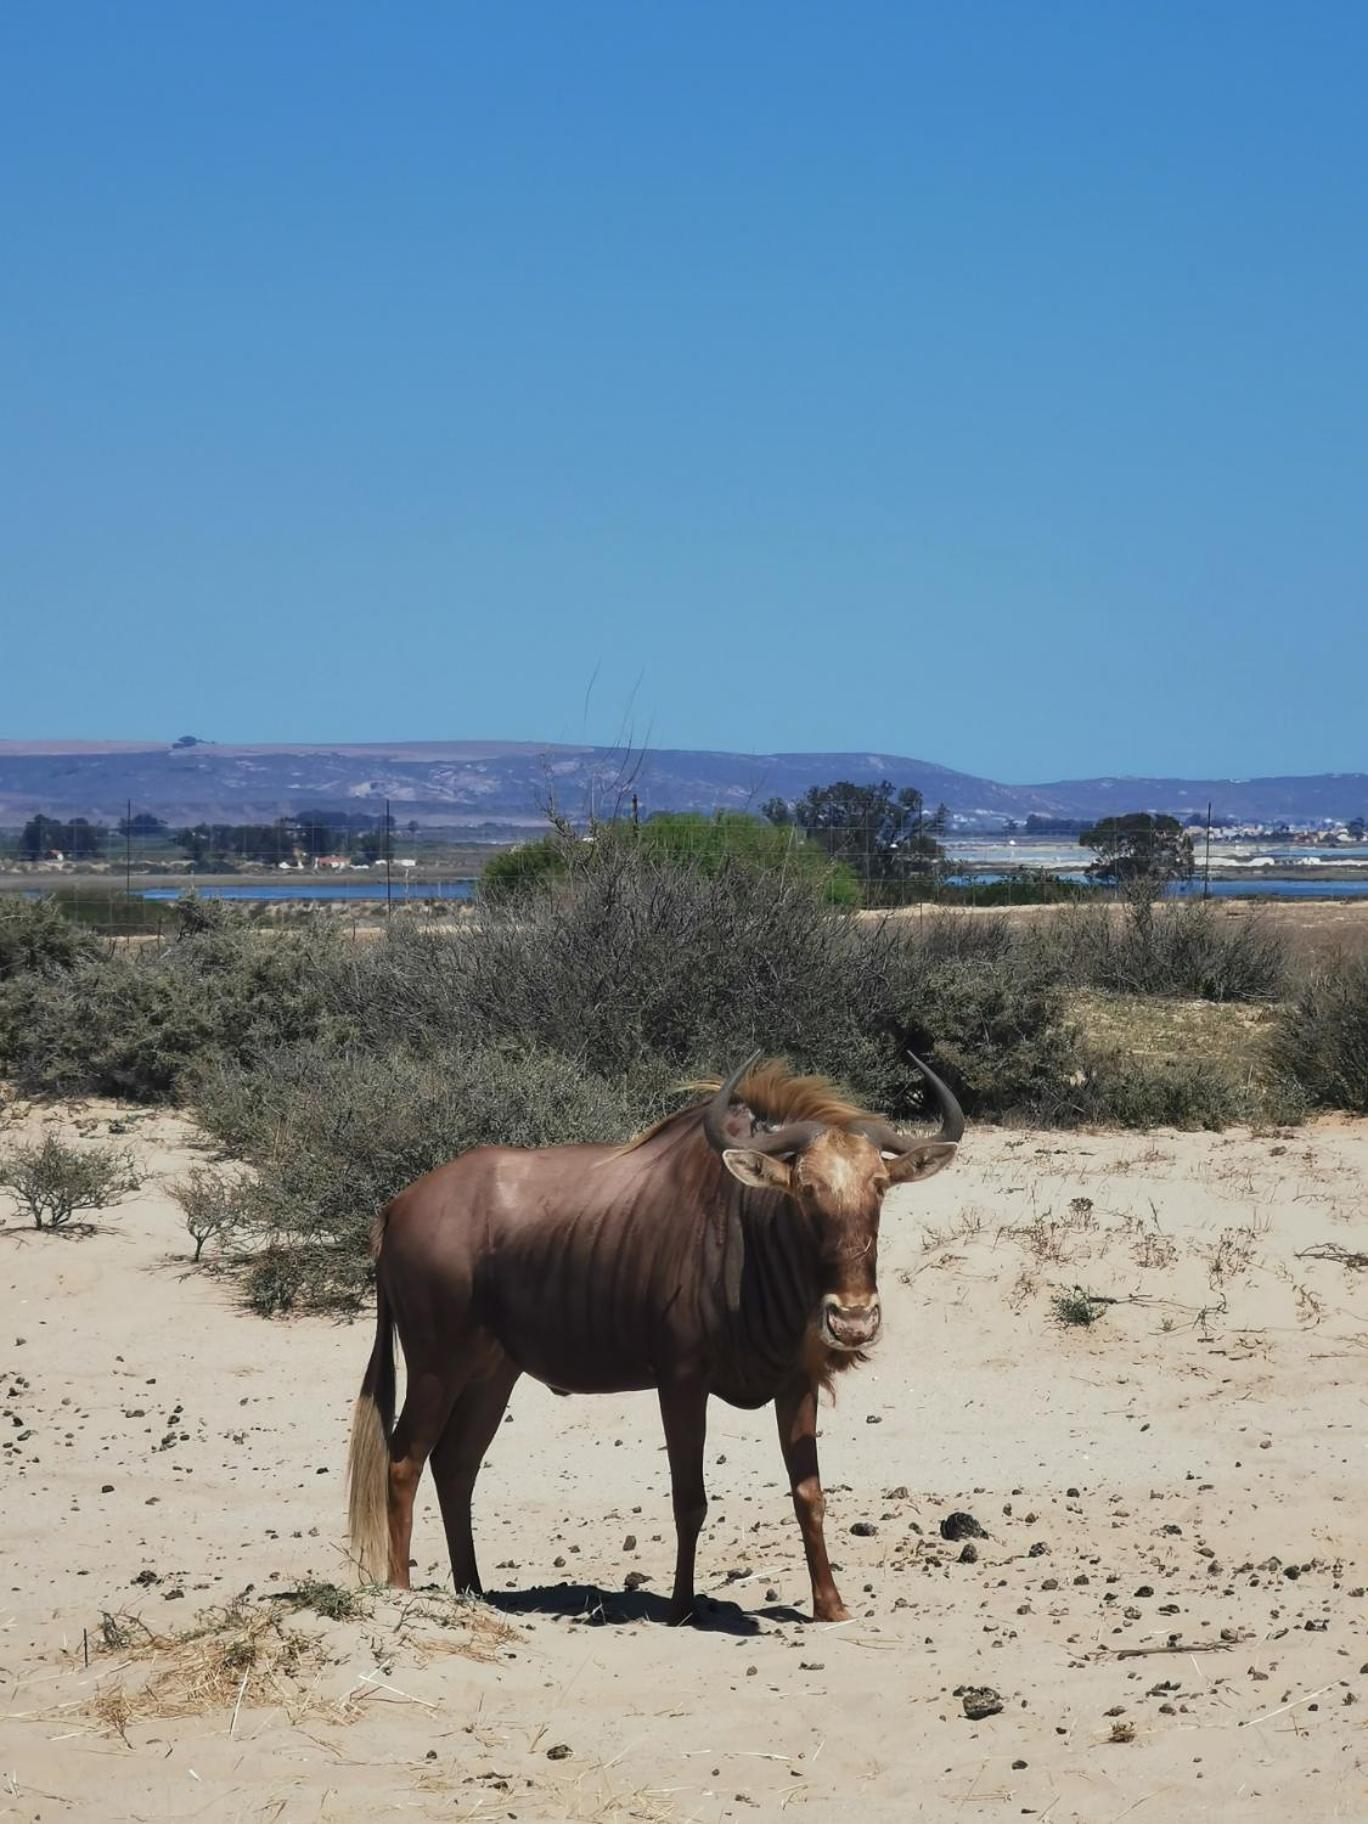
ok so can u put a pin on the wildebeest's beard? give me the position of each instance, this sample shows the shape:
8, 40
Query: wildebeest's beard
837, 1176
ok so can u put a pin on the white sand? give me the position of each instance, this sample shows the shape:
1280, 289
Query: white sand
1201, 1447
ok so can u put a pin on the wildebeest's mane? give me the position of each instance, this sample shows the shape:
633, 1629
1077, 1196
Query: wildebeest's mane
774, 1093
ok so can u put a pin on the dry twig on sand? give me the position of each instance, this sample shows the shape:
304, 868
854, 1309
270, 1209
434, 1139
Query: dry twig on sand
1169, 1646
1331, 1250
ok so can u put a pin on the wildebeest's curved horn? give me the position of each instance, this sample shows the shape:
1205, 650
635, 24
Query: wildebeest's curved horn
888, 1140
790, 1139
715, 1115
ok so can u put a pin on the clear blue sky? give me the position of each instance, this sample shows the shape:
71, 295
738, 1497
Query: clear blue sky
984, 382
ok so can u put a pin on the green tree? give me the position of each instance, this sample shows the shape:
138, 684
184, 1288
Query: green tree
733, 839
526, 869
1142, 851
883, 835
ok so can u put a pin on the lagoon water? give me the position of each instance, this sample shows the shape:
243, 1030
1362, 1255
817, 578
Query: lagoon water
280, 890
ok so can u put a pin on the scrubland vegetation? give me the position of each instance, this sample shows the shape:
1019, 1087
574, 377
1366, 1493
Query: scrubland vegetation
330, 1073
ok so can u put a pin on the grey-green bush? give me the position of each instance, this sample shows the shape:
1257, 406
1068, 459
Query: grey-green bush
36, 936
1002, 1038
334, 1137
140, 1025
52, 1182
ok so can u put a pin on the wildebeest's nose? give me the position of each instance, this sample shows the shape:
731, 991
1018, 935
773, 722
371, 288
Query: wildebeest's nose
851, 1325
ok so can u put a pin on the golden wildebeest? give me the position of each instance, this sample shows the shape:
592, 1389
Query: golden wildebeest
730, 1250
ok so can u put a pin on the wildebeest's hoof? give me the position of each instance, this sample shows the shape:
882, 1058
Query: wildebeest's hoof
830, 1611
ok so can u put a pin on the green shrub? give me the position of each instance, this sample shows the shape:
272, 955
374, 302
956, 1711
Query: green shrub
1077, 1307
51, 1181
522, 872
731, 839
1321, 1037
681, 840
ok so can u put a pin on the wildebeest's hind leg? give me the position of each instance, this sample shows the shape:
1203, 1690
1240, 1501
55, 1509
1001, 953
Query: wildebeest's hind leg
684, 1409
456, 1462
796, 1411
428, 1400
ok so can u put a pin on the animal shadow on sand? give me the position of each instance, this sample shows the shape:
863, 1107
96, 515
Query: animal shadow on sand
585, 1602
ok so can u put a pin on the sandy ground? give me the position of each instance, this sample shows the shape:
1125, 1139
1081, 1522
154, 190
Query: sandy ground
1169, 1599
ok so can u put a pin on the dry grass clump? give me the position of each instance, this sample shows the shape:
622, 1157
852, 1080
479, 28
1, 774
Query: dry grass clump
1156, 1061
244, 1649
253, 1652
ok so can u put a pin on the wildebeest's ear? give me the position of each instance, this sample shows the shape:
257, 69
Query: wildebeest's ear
922, 1161
757, 1170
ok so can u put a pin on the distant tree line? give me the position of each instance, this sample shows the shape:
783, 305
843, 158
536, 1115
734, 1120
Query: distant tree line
208, 845
51, 836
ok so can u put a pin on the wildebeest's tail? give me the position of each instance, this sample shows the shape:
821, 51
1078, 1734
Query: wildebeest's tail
368, 1456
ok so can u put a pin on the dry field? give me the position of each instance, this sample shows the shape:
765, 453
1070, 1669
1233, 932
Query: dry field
1169, 1599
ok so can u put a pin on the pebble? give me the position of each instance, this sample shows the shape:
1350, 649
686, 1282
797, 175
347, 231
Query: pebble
961, 1526
978, 1701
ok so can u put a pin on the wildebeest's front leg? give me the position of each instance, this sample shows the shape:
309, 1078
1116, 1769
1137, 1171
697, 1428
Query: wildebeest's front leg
684, 1409
796, 1410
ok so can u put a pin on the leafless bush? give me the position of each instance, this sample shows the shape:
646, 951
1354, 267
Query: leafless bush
212, 1203
1190, 949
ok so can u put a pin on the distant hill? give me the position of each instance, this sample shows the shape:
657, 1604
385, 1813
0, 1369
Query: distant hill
507, 783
